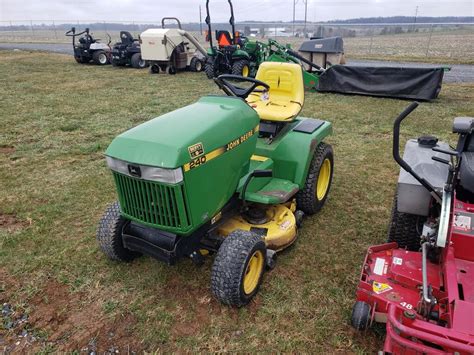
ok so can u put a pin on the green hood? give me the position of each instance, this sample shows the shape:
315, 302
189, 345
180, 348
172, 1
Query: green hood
164, 141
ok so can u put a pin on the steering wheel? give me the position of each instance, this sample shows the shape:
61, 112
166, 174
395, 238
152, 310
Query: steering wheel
233, 90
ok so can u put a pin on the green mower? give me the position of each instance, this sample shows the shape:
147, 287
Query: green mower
228, 175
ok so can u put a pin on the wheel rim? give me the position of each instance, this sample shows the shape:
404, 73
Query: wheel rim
198, 66
253, 272
102, 58
324, 177
141, 63
245, 70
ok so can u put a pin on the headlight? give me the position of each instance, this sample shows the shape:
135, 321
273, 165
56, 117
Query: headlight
170, 176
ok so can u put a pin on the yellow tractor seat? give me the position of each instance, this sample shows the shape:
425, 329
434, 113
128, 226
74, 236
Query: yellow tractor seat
285, 98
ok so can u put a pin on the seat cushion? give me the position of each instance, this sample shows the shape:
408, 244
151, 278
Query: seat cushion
275, 110
285, 97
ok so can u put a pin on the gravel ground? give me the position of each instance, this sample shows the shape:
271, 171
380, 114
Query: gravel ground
460, 73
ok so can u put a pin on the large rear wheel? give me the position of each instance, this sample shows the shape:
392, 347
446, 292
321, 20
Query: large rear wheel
311, 198
241, 67
405, 228
100, 57
238, 268
137, 61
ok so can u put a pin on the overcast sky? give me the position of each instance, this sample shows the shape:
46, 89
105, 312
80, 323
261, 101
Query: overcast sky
259, 10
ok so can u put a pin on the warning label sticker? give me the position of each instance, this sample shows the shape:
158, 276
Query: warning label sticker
379, 287
397, 261
379, 267
462, 222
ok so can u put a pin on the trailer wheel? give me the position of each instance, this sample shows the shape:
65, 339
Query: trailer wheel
137, 61
241, 67
109, 235
210, 70
154, 69
170, 69
100, 58
195, 65
405, 228
360, 315
238, 268
311, 198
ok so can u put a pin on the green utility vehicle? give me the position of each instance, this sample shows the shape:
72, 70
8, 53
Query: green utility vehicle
228, 175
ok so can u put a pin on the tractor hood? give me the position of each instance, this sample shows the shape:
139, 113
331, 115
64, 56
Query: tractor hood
168, 141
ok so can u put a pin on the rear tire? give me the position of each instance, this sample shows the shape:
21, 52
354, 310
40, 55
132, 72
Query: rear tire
100, 58
109, 235
137, 61
241, 67
196, 65
360, 315
238, 268
312, 197
404, 228
210, 69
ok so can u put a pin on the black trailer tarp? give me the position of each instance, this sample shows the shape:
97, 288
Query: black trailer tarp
397, 82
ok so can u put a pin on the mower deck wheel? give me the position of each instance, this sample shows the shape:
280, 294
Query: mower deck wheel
405, 228
311, 198
238, 268
196, 65
241, 67
109, 235
100, 58
137, 61
360, 315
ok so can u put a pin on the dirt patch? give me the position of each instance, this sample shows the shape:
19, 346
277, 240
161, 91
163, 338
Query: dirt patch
12, 223
64, 321
7, 149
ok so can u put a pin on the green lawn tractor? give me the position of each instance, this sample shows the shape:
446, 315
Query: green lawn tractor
228, 175
233, 53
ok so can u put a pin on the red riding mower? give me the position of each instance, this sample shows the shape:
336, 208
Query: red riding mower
421, 283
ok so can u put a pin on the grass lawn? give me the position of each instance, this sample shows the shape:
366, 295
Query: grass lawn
57, 118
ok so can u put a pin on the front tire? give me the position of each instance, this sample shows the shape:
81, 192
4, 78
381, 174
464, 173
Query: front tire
109, 235
196, 65
100, 58
404, 228
137, 61
360, 318
312, 197
238, 268
210, 69
241, 67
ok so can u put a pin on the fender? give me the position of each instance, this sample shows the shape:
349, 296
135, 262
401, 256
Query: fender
240, 54
293, 151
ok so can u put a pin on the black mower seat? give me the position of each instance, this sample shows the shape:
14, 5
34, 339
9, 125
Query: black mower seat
466, 171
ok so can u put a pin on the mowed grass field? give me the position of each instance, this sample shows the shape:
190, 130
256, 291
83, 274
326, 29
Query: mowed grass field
57, 118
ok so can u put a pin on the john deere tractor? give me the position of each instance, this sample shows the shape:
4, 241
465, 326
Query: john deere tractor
228, 175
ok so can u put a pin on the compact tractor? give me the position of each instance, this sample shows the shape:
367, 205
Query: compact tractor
127, 52
233, 53
169, 50
421, 283
228, 175
89, 48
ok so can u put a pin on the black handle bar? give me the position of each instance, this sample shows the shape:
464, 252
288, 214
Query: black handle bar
170, 18
396, 151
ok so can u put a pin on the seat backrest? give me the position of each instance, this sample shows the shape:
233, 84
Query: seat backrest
285, 81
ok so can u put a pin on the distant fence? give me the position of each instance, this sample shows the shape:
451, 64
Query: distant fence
443, 40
